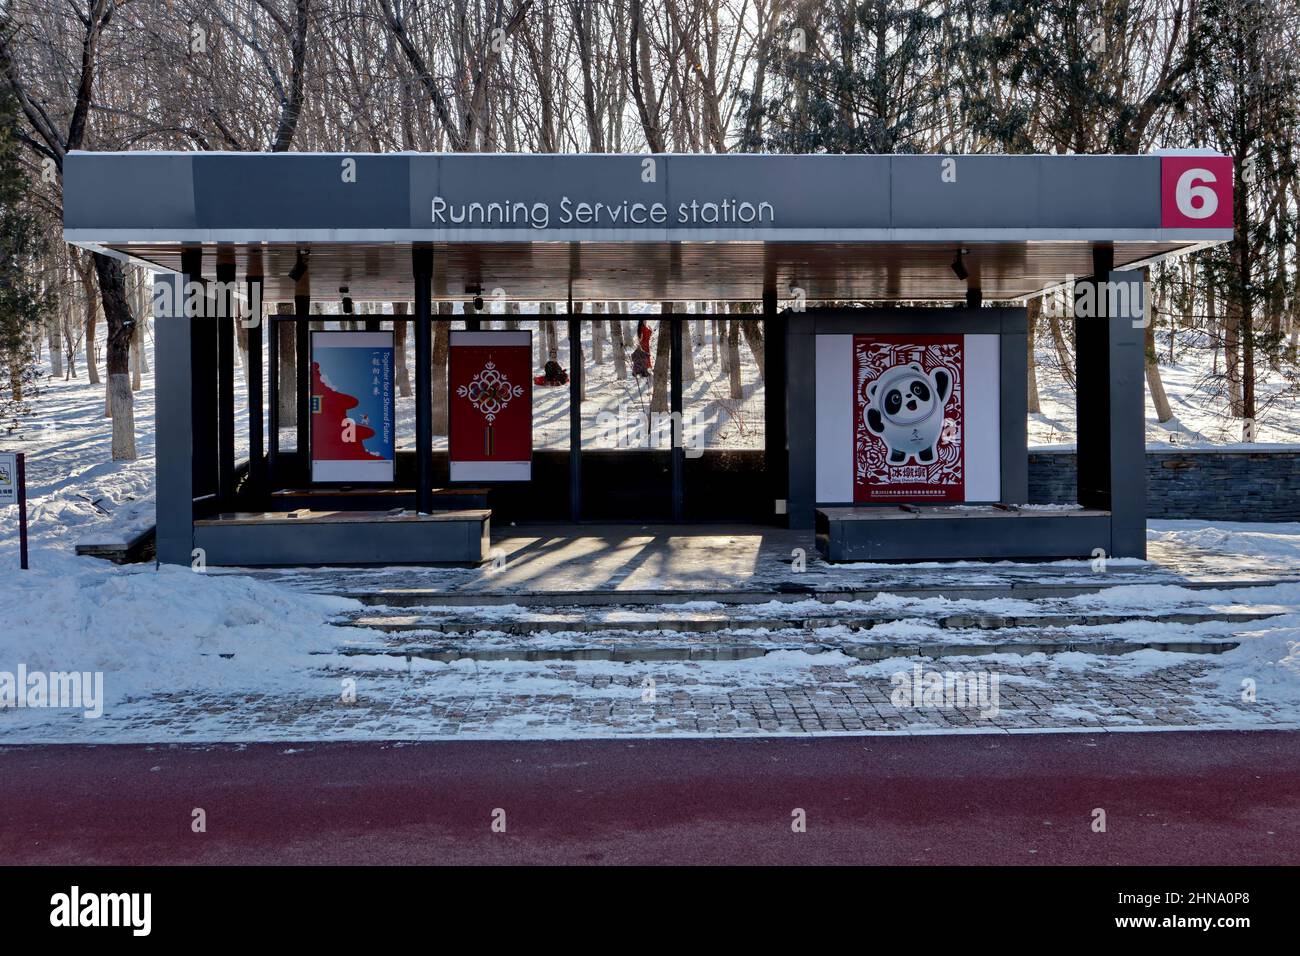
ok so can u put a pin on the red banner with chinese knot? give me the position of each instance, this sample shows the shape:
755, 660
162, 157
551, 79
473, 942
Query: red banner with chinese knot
490, 403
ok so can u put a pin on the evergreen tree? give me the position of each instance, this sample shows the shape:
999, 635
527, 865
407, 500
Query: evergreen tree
1246, 86
22, 301
855, 76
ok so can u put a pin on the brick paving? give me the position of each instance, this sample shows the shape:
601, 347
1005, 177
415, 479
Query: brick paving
568, 699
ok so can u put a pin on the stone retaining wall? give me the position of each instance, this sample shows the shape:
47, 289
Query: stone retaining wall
1222, 485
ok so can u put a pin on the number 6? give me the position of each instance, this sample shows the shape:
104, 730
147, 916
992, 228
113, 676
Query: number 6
1186, 191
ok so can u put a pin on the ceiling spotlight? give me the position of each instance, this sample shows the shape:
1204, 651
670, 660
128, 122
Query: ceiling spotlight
299, 266
478, 296
478, 303
347, 300
958, 266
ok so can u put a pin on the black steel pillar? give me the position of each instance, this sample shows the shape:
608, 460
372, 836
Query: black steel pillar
203, 374
272, 402
678, 452
226, 381
1110, 310
776, 459
302, 346
575, 414
256, 408
422, 271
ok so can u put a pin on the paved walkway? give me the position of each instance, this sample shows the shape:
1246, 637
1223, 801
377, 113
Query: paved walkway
784, 693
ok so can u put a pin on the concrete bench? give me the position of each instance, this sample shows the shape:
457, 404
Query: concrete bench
131, 548
960, 532
307, 537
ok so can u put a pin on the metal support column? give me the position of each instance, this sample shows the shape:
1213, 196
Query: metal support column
174, 419
678, 460
203, 374
575, 414
1109, 408
302, 346
422, 272
225, 326
776, 458
256, 407
272, 402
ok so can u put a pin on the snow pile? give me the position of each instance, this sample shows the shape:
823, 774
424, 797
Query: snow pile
1277, 540
166, 631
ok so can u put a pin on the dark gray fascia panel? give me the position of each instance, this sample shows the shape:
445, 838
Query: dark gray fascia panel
129, 191
233, 191
830, 198
1028, 192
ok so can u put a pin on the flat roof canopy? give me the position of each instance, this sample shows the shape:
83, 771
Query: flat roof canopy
672, 227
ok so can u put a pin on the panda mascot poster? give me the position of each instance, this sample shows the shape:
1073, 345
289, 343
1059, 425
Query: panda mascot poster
908, 418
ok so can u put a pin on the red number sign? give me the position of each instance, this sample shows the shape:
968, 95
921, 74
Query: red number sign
1195, 192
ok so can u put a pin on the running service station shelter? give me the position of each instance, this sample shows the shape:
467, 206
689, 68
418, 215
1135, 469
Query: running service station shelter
896, 431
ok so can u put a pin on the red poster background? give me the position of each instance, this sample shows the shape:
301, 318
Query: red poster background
875, 479
493, 380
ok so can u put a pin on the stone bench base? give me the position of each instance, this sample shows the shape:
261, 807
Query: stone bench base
266, 539
957, 533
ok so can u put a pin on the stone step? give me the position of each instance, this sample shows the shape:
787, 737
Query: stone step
712, 624
1027, 591
634, 652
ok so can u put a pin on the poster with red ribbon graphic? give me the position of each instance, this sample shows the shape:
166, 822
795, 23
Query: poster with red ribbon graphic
908, 419
491, 405
353, 423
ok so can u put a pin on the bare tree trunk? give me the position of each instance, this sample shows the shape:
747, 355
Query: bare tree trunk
688, 350
52, 342
753, 332
733, 355
1157, 388
241, 340
401, 367
288, 387
441, 350
597, 332
1063, 358
618, 344
1232, 355
86, 268
663, 358
140, 308
577, 357
550, 343
1035, 308
512, 310
121, 326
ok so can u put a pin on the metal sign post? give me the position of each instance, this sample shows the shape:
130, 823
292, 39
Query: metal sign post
13, 490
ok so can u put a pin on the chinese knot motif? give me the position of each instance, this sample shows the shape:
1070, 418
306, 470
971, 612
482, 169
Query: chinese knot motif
489, 391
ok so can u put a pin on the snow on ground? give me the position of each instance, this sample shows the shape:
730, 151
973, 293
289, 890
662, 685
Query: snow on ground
1195, 398
1279, 540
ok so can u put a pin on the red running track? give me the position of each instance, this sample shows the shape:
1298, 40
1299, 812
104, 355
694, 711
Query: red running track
1169, 798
